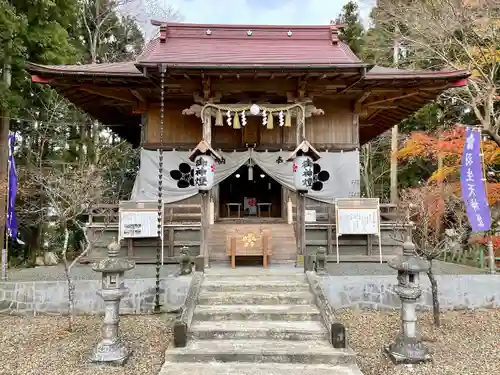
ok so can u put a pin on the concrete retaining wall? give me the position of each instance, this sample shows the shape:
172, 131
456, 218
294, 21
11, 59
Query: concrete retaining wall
51, 297
456, 292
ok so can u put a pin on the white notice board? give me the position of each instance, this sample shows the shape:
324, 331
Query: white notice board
138, 224
358, 216
310, 216
140, 220
358, 221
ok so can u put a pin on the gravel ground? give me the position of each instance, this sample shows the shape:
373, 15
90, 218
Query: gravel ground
43, 346
85, 272
467, 343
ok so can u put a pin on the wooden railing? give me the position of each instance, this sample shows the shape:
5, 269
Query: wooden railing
174, 213
326, 212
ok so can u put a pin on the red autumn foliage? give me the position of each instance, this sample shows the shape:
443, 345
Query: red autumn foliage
449, 146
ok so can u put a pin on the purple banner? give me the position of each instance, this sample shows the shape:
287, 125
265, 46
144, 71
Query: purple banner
11, 223
471, 181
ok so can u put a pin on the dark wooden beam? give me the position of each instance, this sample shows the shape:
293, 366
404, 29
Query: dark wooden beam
391, 99
138, 96
120, 95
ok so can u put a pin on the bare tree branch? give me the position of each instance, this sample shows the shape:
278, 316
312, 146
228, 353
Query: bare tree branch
455, 34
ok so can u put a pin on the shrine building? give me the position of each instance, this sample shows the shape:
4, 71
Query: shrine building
253, 99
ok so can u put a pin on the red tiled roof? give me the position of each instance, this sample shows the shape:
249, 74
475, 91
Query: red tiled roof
119, 69
231, 45
379, 72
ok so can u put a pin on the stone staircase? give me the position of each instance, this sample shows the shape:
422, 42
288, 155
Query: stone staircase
282, 234
251, 321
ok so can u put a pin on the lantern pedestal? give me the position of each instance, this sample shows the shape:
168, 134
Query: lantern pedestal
111, 350
408, 347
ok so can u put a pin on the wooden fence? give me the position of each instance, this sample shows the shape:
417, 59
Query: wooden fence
109, 213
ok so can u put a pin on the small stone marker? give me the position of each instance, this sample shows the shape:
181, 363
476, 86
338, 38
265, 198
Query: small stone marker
338, 336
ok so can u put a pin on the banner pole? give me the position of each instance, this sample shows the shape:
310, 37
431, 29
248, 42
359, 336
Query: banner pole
489, 245
5, 251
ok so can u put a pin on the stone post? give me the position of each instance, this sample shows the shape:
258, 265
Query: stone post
408, 347
111, 349
321, 261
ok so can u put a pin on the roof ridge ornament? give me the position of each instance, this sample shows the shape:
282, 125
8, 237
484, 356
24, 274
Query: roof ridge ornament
163, 32
334, 30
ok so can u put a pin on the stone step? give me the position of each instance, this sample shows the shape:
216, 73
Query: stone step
270, 279
256, 298
244, 284
237, 368
241, 329
252, 271
263, 351
257, 312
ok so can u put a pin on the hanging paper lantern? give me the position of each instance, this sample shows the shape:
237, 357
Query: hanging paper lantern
243, 118
254, 109
204, 170
228, 114
281, 118
218, 118
264, 117
288, 119
236, 121
303, 173
270, 121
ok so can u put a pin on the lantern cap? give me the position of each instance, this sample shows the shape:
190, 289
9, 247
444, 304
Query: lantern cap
203, 148
306, 149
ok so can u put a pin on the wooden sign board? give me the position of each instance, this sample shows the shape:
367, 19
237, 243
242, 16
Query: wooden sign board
358, 216
139, 219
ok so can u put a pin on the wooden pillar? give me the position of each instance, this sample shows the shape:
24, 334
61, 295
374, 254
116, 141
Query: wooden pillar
301, 198
205, 197
205, 226
394, 165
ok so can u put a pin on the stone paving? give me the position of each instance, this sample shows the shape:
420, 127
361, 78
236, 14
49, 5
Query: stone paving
252, 321
85, 272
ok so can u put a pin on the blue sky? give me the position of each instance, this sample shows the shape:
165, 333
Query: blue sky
271, 12
294, 12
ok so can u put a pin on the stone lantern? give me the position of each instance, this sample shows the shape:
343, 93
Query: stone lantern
408, 347
111, 349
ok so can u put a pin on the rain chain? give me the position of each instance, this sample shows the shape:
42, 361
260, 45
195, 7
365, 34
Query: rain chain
159, 250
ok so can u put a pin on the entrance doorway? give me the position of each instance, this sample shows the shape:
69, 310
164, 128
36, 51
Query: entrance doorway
240, 196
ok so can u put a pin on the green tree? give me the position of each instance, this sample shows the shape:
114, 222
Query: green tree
352, 32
